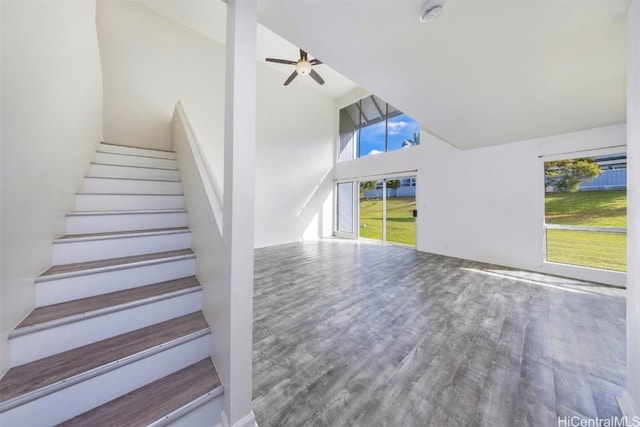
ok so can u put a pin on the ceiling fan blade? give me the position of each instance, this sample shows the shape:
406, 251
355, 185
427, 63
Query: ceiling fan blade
303, 55
291, 77
281, 61
315, 62
315, 76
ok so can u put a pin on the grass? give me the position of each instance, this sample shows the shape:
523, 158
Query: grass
401, 227
594, 208
586, 248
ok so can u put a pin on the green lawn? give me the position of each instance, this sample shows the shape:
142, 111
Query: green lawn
595, 208
401, 227
586, 248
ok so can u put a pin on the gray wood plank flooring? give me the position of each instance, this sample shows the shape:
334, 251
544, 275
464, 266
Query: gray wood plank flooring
360, 334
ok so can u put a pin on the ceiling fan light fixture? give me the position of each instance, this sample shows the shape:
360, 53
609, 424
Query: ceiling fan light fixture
303, 67
431, 10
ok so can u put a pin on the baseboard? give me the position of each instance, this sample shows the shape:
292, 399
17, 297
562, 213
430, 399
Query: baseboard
627, 406
248, 421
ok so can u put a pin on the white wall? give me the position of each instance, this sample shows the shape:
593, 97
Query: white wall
149, 63
488, 204
51, 124
633, 208
296, 130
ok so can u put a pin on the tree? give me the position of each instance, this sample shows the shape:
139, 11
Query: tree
393, 183
566, 175
366, 186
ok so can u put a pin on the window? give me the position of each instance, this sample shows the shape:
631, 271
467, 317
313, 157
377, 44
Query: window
372, 126
586, 211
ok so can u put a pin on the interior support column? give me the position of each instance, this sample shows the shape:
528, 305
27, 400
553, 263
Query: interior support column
239, 201
630, 400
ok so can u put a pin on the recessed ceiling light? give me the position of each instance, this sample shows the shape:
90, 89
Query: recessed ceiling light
431, 9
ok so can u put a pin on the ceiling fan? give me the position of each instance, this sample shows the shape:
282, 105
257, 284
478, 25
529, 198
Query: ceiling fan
303, 65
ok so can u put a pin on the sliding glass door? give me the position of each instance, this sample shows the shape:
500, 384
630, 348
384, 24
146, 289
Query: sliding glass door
387, 210
400, 223
346, 209
371, 209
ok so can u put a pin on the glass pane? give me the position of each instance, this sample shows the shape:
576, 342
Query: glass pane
370, 210
587, 192
401, 201
372, 139
348, 135
345, 207
594, 249
403, 132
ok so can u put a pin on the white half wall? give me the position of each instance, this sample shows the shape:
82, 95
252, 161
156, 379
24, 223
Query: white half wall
488, 204
295, 138
51, 86
633, 210
149, 63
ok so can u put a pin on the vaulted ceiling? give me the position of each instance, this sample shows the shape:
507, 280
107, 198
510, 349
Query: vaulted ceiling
486, 72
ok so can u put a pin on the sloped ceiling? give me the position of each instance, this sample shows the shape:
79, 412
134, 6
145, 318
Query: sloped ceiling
485, 73
208, 17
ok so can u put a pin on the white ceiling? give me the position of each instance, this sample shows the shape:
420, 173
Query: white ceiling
486, 72
208, 17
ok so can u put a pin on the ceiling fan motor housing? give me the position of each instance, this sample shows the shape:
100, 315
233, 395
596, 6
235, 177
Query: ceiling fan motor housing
303, 67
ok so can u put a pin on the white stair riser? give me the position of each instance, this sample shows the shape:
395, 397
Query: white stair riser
88, 285
124, 160
133, 151
78, 398
79, 224
208, 414
132, 172
92, 250
117, 202
28, 347
106, 185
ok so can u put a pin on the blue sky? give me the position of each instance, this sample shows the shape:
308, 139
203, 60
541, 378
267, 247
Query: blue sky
400, 128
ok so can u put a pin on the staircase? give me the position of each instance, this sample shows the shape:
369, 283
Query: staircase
117, 336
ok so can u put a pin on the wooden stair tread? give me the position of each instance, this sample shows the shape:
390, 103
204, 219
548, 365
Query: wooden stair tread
32, 376
85, 305
124, 233
92, 265
153, 401
124, 178
126, 212
140, 148
136, 166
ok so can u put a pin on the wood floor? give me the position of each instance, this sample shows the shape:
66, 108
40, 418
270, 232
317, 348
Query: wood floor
369, 335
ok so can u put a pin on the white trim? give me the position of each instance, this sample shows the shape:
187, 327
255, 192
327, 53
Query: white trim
211, 185
188, 407
627, 406
600, 151
248, 420
597, 275
585, 228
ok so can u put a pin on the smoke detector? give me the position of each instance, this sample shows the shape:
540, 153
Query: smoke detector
431, 9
